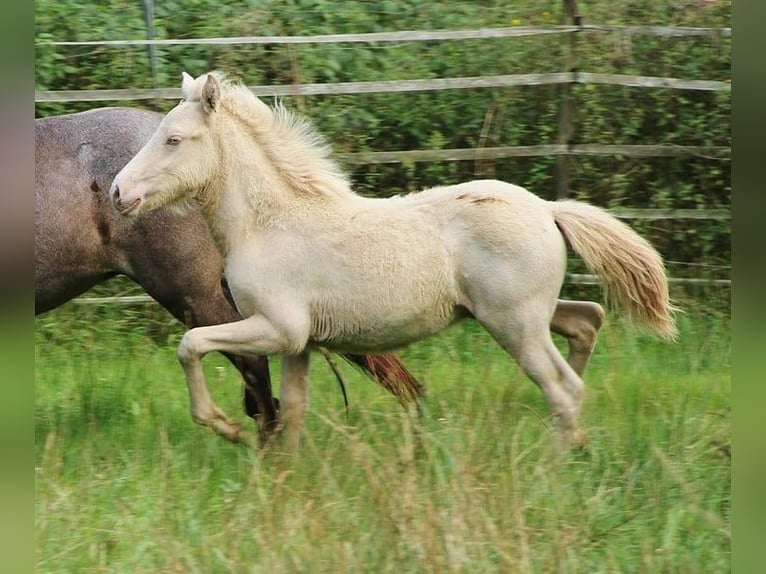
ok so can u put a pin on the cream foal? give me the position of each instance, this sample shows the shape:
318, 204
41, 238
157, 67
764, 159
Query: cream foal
310, 263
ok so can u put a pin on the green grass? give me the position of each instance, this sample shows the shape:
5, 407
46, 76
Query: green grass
125, 482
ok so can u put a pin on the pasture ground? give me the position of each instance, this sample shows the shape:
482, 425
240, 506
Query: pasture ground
125, 482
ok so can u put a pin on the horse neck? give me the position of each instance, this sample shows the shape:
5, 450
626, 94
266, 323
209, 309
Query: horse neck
248, 194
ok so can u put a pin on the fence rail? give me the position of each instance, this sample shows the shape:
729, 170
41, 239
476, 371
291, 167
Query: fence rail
656, 214
575, 278
500, 152
561, 150
398, 86
404, 36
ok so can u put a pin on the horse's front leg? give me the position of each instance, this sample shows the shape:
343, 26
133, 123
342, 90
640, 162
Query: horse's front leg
255, 335
294, 395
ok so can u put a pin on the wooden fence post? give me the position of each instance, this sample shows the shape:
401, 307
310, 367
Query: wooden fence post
568, 108
148, 8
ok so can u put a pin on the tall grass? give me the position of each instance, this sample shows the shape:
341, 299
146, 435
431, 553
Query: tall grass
125, 482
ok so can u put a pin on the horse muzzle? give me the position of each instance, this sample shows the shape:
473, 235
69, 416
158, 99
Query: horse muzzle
124, 207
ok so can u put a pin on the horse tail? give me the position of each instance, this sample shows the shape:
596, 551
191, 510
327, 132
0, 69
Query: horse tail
631, 270
390, 373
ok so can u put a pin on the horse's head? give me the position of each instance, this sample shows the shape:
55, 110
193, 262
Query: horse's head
180, 159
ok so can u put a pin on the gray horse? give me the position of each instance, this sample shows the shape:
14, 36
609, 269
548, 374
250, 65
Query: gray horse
80, 241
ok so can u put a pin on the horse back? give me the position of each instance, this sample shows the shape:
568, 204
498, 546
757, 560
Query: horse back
76, 231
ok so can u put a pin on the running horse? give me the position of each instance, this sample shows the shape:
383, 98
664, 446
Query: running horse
81, 241
311, 264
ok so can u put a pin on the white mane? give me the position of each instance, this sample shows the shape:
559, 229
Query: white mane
297, 150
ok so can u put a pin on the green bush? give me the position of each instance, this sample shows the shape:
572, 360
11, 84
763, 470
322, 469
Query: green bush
451, 118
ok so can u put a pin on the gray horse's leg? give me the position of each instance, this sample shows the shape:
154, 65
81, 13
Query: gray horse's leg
579, 322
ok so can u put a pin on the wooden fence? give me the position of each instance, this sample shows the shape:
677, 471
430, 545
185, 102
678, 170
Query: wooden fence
562, 150
565, 146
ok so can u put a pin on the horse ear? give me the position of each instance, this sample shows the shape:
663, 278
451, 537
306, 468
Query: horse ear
187, 85
211, 94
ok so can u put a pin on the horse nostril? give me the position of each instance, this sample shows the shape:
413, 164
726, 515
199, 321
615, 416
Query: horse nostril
120, 204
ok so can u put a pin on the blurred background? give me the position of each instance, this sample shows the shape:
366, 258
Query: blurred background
659, 156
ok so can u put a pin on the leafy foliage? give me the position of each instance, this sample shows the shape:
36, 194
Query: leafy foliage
450, 118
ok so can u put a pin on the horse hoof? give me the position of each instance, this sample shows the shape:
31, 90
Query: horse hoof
227, 429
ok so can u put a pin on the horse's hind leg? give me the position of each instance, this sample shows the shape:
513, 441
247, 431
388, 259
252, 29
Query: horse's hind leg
579, 322
528, 340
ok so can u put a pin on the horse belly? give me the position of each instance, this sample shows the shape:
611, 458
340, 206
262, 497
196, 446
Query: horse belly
380, 325
363, 292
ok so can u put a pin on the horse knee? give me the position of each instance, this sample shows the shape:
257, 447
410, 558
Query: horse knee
596, 315
188, 348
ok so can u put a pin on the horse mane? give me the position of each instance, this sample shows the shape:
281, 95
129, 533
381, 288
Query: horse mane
300, 154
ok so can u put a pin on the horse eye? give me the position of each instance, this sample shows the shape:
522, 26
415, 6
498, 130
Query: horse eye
173, 140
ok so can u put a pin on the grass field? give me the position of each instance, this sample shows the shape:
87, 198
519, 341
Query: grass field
125, 482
